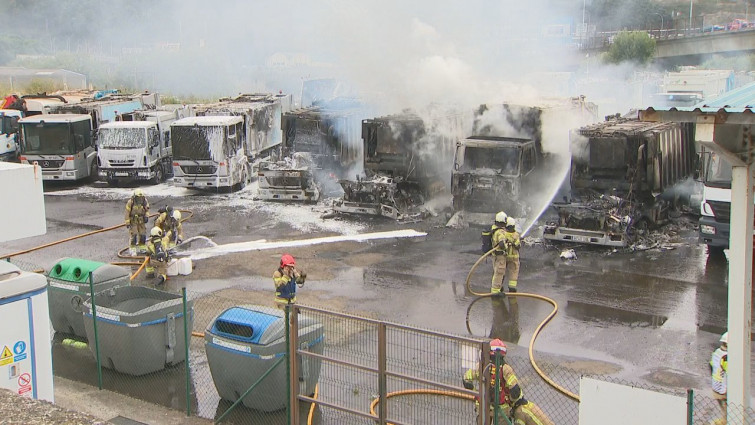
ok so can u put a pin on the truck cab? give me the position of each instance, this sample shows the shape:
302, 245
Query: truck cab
9, 133
133, 150
715, 209
62, 144
491, 170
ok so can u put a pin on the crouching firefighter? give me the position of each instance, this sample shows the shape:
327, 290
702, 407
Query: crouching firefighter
170, 223
157, 248
504, 379
526, 412
286, 278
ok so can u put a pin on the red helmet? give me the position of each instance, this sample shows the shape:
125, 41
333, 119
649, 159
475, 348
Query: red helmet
287, 260
497, 345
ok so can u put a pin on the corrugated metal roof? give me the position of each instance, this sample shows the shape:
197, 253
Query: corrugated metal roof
739, 100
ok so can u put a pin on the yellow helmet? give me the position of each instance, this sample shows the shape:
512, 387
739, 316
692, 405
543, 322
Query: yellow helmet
156, 231
177, 215
510, 222
138, 192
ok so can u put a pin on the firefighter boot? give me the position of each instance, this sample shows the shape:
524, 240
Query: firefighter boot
133, 245
161, 279
142, 243
512, 286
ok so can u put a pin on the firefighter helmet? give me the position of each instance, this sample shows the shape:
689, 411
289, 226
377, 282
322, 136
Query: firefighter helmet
501, 217
177, 215
138, 193
156, 231
497, 345
287, 260
510, 222
724, 338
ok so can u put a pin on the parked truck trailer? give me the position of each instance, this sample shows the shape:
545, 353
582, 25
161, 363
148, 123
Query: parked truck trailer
620, 170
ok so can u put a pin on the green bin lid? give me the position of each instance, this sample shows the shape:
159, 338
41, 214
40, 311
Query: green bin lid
74, 269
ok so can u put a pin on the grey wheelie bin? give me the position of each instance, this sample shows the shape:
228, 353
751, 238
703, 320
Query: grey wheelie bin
140, 330
243, 342
68, 287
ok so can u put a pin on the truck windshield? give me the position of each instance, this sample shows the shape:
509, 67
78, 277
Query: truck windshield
718, 171
122, 138
308, 137
47, 138
503, 161
8, 124
194, 142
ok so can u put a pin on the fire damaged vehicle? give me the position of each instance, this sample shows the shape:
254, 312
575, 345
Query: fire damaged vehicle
320, 144
622, 180
406, 161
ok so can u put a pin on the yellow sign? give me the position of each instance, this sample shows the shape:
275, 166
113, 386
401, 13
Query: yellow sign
7, 357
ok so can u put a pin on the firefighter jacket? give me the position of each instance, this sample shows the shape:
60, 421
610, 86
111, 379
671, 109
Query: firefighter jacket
528, 413
157, 248
719, 367
137, 209
170, 225
509, 392
285, 287
497, 237
513, 243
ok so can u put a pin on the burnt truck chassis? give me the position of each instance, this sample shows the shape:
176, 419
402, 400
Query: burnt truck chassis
381, 196
605, 220
290, 179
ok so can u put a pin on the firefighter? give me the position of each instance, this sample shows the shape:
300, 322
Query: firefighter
158, 255
170, 223
286, 278
525, 412
718, 372
511, 244
508, 390
137, 209
497, 231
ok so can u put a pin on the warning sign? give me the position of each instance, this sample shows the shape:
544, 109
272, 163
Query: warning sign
24, 380
6, 357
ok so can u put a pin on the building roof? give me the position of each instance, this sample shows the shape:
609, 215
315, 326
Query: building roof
738, 100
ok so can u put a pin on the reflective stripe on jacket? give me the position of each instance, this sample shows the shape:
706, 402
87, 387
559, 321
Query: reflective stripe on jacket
513, 242
509, 393
719, 363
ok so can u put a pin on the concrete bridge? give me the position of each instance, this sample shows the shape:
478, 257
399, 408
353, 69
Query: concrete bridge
688, 46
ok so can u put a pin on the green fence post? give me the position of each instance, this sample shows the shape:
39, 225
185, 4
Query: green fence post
186, 347
288, 363
690, 407
497, 389
94, 324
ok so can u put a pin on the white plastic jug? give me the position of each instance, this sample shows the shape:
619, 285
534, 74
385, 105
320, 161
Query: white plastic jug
173, 268
184, 266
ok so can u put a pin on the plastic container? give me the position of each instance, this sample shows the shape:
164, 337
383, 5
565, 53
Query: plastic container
243, 342
68, 287
185, 266
140, 329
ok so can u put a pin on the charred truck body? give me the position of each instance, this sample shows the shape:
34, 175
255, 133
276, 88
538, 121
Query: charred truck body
620, 168
503, 165
405, 161
320, 144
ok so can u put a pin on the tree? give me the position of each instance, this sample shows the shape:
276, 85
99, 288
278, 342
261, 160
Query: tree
631, 46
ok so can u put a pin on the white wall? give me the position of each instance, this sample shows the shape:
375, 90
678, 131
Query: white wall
23, 211
608, 403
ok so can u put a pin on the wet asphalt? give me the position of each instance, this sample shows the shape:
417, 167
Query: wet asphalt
651, 316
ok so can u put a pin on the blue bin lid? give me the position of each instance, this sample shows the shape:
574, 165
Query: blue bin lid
242, 324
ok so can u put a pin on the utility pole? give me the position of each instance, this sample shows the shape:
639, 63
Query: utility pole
690, 15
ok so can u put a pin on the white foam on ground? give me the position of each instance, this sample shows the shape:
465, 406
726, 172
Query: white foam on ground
261, 245
117, 193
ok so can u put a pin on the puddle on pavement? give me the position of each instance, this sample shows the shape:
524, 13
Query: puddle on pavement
598, 313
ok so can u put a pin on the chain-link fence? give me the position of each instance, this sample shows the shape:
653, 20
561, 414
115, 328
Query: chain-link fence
355, 370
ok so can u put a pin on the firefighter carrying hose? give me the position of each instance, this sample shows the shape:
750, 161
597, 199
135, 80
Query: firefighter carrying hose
137, 209
508, 390
499, 255
158, 255
170, 223
286, 278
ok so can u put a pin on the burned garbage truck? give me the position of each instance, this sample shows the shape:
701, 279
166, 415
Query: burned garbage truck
406, 160
623, 174
320, 145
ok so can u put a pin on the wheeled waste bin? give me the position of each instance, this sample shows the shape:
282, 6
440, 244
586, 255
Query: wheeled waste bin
68, 287
140, 329
243, 342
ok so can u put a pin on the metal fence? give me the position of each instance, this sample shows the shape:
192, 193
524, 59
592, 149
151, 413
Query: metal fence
366, 371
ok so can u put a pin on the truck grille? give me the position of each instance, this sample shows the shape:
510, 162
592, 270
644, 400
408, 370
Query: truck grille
199, 169
721, 210
121, 162
51, 163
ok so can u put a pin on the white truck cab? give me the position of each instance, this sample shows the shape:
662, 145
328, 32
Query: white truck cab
9, 133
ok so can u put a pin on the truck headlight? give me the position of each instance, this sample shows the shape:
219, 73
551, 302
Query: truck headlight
710, 230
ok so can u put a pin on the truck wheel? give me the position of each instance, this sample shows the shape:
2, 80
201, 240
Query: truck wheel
112, 182
93, 177
158, 174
